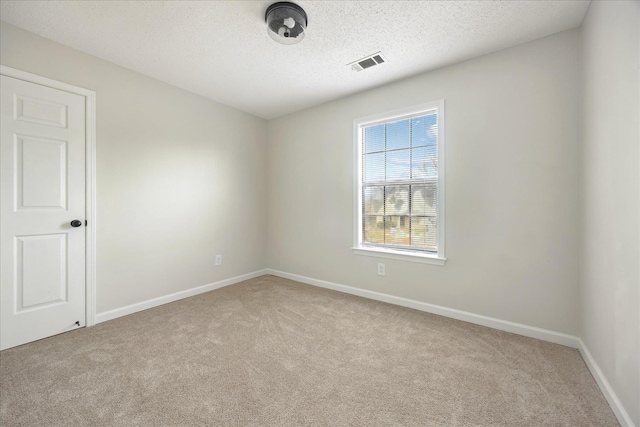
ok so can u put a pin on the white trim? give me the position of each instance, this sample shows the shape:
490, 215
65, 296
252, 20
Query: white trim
44, 81
90, 176
623, 417
478, 319
414, 111
419, 257
144, 305
91, 211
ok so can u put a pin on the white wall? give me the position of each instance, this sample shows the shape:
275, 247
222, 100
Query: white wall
179, 178
610, 255
512, 128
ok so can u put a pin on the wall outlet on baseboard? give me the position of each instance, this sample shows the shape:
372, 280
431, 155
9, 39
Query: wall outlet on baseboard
218, 259
381, 269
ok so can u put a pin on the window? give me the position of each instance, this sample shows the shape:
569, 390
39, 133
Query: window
400, 184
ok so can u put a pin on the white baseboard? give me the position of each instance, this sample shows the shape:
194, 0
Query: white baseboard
528, 331
144, 305
623, 417
503, 325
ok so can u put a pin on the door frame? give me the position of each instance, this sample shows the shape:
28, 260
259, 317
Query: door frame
90, 176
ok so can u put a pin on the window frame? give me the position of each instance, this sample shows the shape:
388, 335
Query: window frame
360, 248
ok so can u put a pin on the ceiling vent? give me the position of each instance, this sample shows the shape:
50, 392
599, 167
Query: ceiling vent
368, 62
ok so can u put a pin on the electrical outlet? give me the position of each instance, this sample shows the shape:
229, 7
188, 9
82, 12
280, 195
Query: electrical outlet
218, 259
381, 269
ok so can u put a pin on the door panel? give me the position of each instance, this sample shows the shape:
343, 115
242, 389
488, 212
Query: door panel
41, 265
42, 176
40, 111
41, 172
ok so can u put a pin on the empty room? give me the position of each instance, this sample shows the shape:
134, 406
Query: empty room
320, 213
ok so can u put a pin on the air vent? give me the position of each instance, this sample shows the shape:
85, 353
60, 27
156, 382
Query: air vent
368, 62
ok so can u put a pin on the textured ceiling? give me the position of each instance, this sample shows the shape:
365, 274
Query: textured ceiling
220, 49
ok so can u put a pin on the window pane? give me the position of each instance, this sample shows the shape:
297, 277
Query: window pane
374, 201
398, 135
374, 138
396, 230
400, 182
398, 164
396, 200
423, 199
373, 167
373, 230
423, 232
424, 130
424, 162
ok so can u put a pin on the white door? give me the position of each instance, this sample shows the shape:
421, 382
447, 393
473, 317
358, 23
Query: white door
42, 179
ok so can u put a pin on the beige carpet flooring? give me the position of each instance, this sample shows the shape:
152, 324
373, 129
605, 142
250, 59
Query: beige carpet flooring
270, 351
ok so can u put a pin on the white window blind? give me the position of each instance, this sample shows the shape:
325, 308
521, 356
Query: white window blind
399, 182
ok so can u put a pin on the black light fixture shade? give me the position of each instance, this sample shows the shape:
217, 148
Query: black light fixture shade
286, 22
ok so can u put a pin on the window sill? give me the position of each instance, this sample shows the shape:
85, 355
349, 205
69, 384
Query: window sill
399, 255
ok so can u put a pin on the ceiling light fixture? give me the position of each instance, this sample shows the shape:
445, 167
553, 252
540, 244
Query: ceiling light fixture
286, 22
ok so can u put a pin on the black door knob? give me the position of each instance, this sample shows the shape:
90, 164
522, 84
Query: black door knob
76, 223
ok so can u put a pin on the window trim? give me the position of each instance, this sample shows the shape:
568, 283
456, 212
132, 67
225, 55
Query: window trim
437, 258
